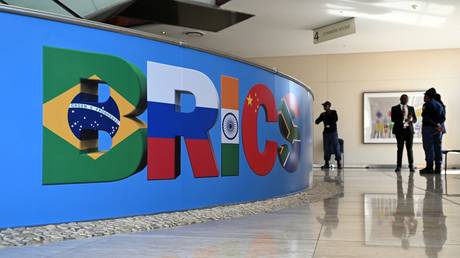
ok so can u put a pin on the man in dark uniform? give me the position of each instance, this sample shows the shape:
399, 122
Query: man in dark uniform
433, 119
403, 116
330, 137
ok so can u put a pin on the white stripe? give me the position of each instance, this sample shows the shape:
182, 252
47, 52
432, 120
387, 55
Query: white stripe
286, 160
163, 81
224, 139
96, 109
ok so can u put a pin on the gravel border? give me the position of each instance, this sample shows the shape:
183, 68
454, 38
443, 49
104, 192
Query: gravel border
22, 236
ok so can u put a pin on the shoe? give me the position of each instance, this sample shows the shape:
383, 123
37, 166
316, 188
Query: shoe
325, 166
427, 170
411, 168
398, 169
339, 164
437, 169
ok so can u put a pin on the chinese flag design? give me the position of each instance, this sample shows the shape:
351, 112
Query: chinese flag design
258, 97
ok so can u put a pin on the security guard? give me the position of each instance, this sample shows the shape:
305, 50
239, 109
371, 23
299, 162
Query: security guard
433, 119
330, 138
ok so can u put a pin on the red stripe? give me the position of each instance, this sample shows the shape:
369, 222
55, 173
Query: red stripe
162, 162
202, 158
164, 158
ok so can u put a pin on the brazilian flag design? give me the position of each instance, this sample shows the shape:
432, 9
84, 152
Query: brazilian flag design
72, 117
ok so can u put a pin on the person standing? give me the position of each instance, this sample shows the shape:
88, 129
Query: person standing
438, 99
403, 116
433, 119
330, 137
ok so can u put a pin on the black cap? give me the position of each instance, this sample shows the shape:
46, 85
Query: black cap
431, 92
327, 103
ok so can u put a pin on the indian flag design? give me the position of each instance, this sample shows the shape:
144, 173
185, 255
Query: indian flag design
230, 121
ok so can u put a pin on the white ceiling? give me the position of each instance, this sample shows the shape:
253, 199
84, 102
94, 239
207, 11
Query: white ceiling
284, 27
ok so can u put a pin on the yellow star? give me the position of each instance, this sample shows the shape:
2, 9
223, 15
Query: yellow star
249, 99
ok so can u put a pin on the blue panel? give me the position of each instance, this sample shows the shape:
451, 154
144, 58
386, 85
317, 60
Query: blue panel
187, 102
103, 92
104, 142
26, 201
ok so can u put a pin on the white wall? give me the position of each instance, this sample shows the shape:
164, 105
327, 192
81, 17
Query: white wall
343, 78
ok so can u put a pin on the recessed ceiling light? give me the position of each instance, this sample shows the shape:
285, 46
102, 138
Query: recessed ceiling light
194, 34
163, 33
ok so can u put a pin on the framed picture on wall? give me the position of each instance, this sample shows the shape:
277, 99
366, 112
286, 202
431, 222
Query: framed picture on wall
377, 115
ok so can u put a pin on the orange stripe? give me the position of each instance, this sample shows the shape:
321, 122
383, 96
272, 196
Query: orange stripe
229, 92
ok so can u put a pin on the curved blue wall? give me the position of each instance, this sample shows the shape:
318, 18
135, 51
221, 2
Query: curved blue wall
43, 183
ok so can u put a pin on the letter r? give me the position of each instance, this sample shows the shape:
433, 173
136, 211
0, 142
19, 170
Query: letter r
166, 123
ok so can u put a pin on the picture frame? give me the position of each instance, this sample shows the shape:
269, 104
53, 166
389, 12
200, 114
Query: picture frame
377, 125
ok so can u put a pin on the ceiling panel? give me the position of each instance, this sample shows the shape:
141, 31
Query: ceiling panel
283, 28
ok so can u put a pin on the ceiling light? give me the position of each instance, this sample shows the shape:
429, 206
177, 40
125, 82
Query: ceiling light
194, 34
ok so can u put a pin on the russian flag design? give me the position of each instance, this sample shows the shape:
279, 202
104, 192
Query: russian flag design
167, 124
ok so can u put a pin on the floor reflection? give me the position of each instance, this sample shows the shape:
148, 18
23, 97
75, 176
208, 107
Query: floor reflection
404, 213
330, 220
434, 221
404, 225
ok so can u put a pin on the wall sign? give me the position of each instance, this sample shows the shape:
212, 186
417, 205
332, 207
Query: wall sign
334, 30
184, 128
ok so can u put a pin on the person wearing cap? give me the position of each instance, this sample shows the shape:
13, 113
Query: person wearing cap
403, 117
330, 137
438, 99
433, 119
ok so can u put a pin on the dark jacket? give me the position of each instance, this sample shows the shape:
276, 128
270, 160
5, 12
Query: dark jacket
433, 113
330, 121
398, 119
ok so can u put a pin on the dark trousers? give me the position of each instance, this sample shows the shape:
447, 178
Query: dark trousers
331, 146
405, 136
432, 141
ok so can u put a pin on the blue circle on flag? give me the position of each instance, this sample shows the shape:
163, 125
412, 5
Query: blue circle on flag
87, 116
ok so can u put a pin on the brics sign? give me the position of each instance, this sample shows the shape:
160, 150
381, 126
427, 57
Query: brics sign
100, 124
73, 116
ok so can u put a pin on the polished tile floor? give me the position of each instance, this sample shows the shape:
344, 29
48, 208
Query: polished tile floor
378, 214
